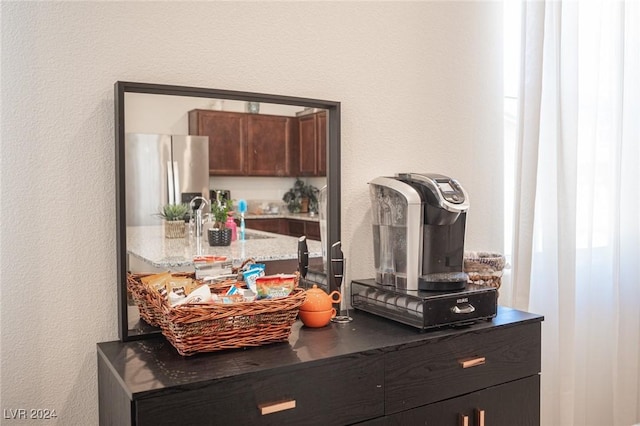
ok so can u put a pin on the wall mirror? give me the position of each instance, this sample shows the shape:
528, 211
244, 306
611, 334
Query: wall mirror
155, 109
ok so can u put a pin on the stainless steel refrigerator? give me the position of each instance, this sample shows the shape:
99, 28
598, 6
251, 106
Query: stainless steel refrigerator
163, 169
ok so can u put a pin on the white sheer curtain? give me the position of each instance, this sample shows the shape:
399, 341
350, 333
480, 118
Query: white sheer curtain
576, 233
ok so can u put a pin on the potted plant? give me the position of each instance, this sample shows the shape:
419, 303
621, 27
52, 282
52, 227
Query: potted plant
173, 215
302, 197
219, 234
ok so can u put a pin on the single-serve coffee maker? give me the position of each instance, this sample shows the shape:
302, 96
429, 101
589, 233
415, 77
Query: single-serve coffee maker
419, 222
418, 231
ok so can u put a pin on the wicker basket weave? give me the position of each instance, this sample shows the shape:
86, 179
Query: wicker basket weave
149, 312
212, 327
484, 268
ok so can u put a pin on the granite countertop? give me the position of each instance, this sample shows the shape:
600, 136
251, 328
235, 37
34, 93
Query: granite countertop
282, 215
148, 244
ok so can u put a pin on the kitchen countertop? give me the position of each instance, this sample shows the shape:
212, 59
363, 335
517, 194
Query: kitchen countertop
282, 215
148, 244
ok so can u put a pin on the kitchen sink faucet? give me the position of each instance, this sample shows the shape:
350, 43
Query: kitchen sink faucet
199, 220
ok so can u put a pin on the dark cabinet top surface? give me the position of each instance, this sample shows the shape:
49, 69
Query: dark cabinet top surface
146, 367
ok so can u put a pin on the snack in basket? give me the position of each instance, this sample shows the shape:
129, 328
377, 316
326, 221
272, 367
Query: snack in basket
212, 266
204, 259
275, 286
156, 281
174, 298
250, 275
248, 295
179, 285
200, 295
233, 295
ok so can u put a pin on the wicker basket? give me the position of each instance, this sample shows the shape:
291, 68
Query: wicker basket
484, 268
150, 312
150, 306
212, 327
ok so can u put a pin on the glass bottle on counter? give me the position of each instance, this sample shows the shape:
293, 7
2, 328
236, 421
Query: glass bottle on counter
231, 224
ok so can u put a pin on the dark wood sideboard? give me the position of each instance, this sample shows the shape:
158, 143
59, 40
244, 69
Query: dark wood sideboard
370, 371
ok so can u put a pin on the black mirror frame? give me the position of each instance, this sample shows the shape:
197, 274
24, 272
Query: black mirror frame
333, 171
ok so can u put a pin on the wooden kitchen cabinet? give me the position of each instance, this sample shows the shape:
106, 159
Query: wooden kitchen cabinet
286, 226
298, 228
370, 371
227, 132
312, 139
243, 144
321, 136
268, 225
269, 145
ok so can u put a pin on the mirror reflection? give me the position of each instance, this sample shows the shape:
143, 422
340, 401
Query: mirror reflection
260, 167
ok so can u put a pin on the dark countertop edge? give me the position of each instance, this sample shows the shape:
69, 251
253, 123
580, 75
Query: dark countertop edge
506, 317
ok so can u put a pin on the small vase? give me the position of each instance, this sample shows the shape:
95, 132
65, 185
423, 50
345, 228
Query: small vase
219, 237
174, 229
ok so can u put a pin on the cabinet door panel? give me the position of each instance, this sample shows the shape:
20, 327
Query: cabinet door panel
512, 404
308, 149
227, 140
267, 225
424, 374
296, 228
312, 139
322, 144
312, 230
268, 145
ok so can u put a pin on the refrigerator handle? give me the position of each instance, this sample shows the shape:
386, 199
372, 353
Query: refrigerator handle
170, 187
176, 183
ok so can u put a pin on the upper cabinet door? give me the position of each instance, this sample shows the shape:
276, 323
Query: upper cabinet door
312, 135
227, 132
307, 129
268, 145
243, 144
321, 143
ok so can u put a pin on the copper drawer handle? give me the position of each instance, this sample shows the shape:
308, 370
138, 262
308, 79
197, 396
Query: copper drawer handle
464, 420
472, 362
480, 416
276, 406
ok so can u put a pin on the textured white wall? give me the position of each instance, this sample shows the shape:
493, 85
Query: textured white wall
420, 87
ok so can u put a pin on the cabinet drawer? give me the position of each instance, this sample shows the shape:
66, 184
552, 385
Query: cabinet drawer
341, 392
268, 225
512, 404
296, 228
459, 364
312, 230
